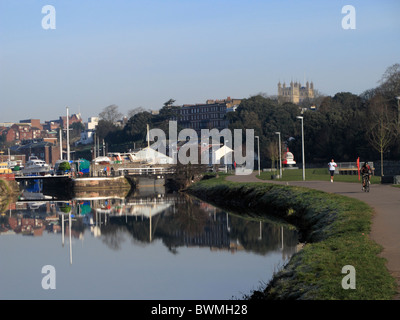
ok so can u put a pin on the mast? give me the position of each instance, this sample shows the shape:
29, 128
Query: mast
148, 137
61, 148
68, 156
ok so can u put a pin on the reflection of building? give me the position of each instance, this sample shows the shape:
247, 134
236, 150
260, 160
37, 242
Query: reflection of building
176, 220
28, 226
295, 93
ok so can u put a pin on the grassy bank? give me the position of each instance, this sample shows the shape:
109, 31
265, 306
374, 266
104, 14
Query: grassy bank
335, 229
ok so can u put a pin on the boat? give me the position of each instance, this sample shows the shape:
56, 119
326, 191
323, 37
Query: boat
102, 160
35, 166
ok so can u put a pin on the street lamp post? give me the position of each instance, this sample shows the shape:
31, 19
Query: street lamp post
398, 110
258, 148
302, 146
280, 155
225, 161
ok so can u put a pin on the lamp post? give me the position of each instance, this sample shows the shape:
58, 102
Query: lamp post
258, 149
225, 160
280, 155
398, 110
302, 146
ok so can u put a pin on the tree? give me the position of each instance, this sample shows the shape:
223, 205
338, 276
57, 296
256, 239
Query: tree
266, 116
64, 166
135, 111
169, 103
104, 128
273, 153
135, 129
110, 114
77, 128
390, 82
382, 127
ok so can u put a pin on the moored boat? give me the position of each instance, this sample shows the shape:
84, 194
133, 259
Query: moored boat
35, 166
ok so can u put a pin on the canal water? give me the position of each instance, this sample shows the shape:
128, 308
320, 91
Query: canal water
148, 245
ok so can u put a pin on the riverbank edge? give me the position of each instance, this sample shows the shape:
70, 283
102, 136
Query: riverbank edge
8, 191
334, 228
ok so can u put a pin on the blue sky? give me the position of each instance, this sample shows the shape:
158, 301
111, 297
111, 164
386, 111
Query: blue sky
142, 53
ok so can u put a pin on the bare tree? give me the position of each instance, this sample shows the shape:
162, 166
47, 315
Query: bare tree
110, 114
273, 154
390, 82
382, 127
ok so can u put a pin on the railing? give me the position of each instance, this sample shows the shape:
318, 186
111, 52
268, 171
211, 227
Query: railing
351, 167
147, 171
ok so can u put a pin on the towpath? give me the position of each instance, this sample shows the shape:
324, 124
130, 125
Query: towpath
384, 199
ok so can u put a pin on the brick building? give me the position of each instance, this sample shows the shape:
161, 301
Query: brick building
44, 150
203, 116
20, 131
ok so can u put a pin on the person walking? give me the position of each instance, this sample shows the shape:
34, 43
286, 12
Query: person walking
332, 165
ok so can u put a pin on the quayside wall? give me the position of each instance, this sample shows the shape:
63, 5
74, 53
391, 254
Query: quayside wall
111, 183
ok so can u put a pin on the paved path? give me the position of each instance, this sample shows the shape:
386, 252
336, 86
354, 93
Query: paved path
384, 199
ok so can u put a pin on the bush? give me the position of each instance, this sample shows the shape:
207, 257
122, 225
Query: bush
64, 166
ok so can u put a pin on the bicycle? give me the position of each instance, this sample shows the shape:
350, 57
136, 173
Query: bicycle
365, 182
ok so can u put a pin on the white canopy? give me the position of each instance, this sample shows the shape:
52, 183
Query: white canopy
221, 152
153, 156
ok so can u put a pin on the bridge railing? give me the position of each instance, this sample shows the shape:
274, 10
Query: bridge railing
147, 171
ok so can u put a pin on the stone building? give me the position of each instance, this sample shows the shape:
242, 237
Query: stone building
295, 93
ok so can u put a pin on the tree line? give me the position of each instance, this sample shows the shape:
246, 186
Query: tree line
344, 126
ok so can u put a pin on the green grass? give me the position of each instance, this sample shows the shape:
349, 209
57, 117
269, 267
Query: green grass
336, 229
314, 174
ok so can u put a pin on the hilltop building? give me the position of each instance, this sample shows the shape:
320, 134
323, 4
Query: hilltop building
295, 93
209, 115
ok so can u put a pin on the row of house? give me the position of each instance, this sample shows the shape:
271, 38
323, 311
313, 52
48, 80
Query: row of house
32, 128
31, 137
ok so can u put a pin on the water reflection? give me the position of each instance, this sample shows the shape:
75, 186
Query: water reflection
178, 221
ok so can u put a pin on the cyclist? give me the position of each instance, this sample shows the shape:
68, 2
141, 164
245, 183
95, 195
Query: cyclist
366, 170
